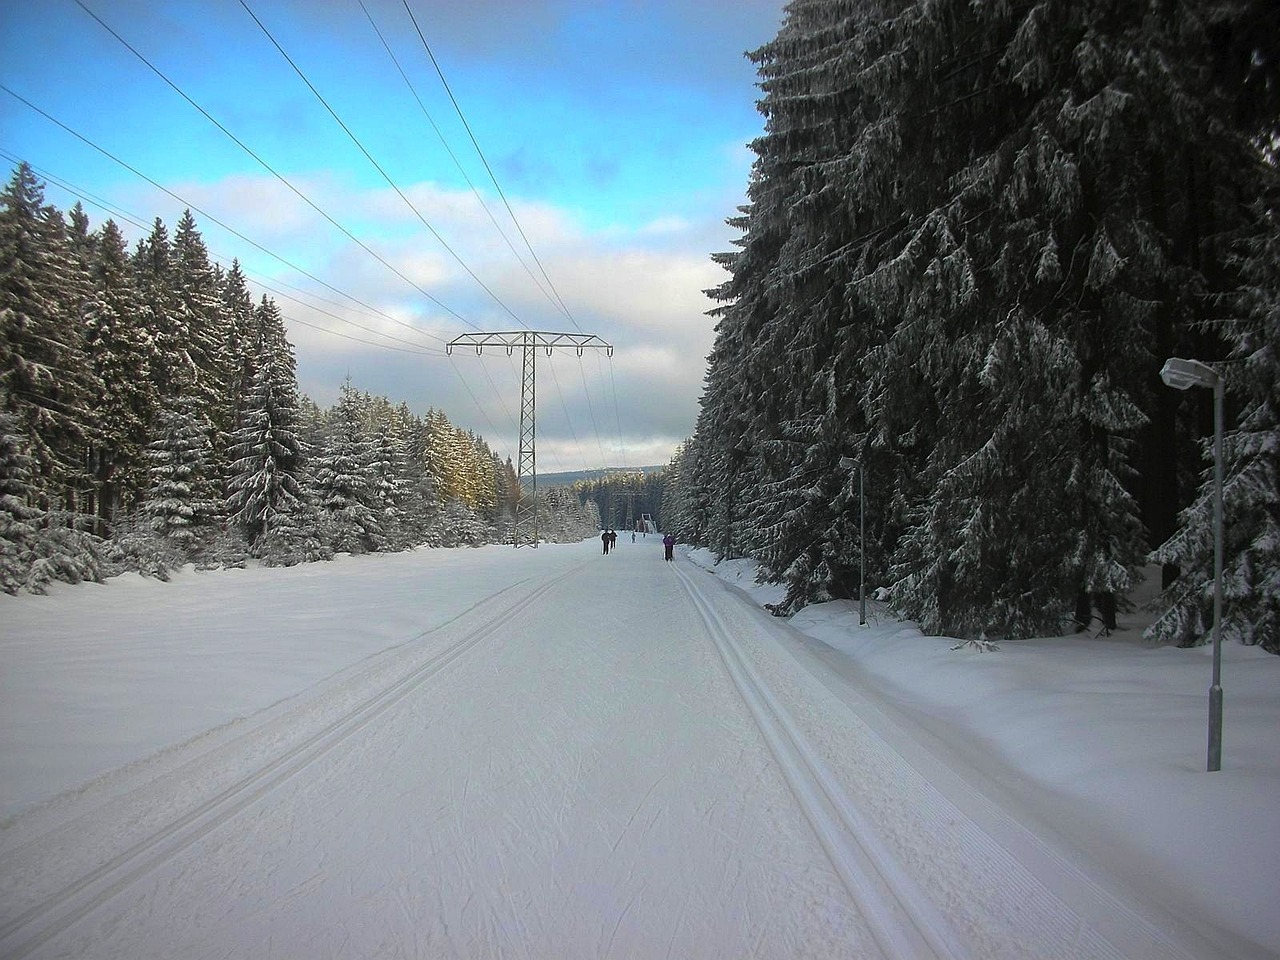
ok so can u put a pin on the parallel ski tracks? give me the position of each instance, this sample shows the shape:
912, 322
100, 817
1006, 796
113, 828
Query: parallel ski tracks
904, 922
22, 935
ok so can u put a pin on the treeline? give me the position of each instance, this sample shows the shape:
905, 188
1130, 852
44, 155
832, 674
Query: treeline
150, 417
975, 233
623, 495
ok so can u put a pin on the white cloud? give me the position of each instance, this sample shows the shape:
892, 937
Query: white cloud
639, 289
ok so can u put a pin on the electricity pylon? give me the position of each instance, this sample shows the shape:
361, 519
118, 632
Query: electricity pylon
526, 527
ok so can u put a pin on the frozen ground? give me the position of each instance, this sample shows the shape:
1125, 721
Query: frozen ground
548, 753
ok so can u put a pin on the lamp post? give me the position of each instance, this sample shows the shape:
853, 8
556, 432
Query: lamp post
848, 463
1183, 375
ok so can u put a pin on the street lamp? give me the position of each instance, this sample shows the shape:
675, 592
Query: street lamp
848, 463
1183, 375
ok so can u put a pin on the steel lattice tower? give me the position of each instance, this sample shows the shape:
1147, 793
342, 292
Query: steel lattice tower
527, 341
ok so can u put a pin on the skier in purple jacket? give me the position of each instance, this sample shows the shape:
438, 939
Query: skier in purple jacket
669, 544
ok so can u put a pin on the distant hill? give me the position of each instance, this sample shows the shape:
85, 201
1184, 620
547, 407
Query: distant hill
573, 476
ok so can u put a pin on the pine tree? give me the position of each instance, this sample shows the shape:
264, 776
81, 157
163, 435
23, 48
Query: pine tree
119, 351
20, 523
961, 248
1251, 492
242, 347
423, 505
184, 506
169, 363
209, 334
266, 451
43, 375
344, 492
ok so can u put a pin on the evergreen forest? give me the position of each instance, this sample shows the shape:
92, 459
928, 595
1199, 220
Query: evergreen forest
150, 417
974, 234
623, 497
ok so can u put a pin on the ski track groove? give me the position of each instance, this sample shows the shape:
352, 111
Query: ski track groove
61, 910
905, 924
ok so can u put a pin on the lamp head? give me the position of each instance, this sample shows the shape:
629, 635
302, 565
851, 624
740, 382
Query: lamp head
1185, 374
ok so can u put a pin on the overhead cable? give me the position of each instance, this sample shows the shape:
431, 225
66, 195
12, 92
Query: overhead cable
142, 224
454, 157
307, 200
208, 216
368, 156
475, 143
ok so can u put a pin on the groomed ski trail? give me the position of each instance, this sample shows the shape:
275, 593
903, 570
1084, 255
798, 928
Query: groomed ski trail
609, 757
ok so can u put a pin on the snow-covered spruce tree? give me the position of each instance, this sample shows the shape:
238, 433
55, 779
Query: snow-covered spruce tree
508, 486
342, 475
957, 224
20, 522
423, 505
1251, 489
118, 350
563, 518
36, 547
805, 530
266, 452
184, 506
459, 526
440, 457
208, 335
723, 487
782, 401
240, 316
1016, 331
44, 380
388, 479
152, 262
486, 472
686, 495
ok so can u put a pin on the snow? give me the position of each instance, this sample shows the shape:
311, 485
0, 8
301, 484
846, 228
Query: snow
1101, 739
482, 752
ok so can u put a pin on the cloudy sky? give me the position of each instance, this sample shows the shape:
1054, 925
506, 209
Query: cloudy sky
615, 131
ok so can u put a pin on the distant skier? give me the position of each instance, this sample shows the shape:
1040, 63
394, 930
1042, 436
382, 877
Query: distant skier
604, 538
669, 545
613, 539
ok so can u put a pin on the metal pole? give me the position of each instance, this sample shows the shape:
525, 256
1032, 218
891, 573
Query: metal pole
526, 528
862, 546
1215, 691
527, 341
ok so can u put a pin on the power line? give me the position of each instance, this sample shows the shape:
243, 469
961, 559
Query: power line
307, 200
568, 418
368, 343
208, 216
143, 224
613, 384
454, 157
78, 192
529, 342
479, 407
407, 348
368, 156
475, 143
316, 207
410, 349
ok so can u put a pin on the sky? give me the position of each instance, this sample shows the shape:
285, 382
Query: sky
316, 142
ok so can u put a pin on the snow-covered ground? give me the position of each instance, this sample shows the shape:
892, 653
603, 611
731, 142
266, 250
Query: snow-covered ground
1101, 740
550, 753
